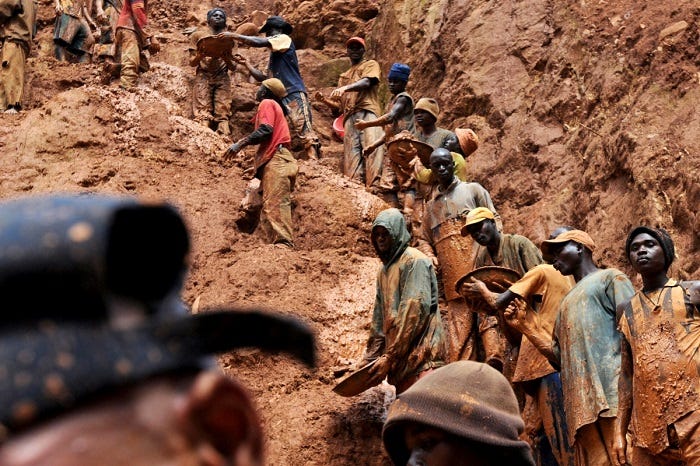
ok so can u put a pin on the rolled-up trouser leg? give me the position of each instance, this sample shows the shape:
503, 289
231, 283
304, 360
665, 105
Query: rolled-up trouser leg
130, 57
461, 330
14, 56
279, 176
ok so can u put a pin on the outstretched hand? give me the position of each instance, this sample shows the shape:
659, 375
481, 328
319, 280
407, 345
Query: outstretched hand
338, 93
232, 151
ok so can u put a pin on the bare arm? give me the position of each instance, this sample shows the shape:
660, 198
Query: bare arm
252, 41
357, 86
254, 72
397, 109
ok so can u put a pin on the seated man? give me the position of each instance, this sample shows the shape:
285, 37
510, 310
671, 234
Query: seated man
100, 366
463, 414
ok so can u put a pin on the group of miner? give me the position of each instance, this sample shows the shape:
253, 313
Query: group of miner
566, 365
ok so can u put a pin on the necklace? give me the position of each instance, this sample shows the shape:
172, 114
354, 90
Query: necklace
655, 305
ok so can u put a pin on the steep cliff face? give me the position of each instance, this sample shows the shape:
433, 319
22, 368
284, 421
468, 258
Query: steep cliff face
586, 111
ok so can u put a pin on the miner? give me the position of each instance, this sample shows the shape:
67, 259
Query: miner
584, 345
407, 338
659, 385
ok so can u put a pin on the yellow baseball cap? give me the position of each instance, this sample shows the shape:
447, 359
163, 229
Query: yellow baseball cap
475, 216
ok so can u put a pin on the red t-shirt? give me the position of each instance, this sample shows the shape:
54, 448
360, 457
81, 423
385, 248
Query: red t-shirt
270, 113
133, 15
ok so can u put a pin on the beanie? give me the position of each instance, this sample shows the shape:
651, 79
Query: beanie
660, 235
276, 86
399, 72
429, 105
468, 399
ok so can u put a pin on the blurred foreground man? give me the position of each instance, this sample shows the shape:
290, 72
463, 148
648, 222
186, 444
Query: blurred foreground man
659, 386
100, 363
407, 339
17, 28
463, 414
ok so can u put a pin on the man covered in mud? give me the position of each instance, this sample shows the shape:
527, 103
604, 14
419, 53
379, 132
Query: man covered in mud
102, 366
440, 239
543, 287
407, 338
358, 93
284, 65
133, 38
17, 27
659, 386
211, 89
514, 252
463, 414
275, 165
584, 345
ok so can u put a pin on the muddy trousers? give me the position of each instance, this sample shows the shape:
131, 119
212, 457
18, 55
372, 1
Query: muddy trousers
211, 100
14, 56
130, 59
687, 448
278, 178
550, 406
460, 331
493, 342
593, 443
301, 121
355, 166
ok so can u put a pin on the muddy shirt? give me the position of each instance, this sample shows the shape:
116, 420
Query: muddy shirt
270, 113
543, 287
587, 343
405, 312
367, 99
455, 201
133, 17
284, 64
437, 139
210, 67
663, 331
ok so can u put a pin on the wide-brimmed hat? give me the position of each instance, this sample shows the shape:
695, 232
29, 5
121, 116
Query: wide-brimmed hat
467, 399
276, 22
66, 264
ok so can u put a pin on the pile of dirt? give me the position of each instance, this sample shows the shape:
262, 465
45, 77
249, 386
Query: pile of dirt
587, 115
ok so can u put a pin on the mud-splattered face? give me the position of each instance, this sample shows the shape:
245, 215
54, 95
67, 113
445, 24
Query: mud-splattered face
429, 446
483, 232
382, 239
646, 254
567, 257
451, 143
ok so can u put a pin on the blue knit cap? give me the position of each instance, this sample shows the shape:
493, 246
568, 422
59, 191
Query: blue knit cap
399, 72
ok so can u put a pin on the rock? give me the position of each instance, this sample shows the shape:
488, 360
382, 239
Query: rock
672, 29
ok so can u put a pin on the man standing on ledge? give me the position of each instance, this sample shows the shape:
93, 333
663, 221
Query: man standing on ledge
358, 93
274, 164
17, 23
284, 66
